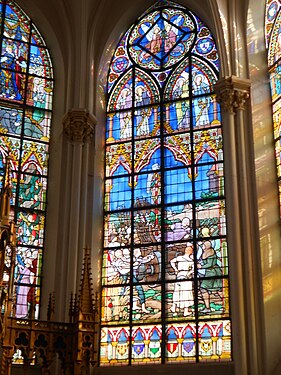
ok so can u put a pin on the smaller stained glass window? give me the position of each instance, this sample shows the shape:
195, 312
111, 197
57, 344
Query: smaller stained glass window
26, 94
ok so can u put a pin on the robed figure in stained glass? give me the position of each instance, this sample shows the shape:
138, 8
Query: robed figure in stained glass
183, 265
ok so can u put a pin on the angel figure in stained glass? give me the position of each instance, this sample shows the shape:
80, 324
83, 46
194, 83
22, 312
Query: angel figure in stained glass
201, 104
182, 108
124, 101
170, 37
142, 114
9, 80
30, 190
183, 266
155, 40
171, 34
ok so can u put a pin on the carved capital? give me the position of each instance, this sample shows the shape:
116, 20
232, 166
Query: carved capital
79, 125
232, 93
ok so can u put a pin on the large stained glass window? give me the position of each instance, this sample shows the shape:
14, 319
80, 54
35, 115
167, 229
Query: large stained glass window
26, 89
165, 289
273, 41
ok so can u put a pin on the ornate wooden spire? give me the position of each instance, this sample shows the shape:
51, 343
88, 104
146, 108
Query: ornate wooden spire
51, 307
85, 299
6, 195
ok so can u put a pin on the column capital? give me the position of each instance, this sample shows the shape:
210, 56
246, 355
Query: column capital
79, 125
232, 93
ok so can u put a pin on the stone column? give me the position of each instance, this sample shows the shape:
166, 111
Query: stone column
233, 94
79, 128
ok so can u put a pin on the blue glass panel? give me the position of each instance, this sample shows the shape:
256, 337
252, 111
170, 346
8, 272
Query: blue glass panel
11, 84
119, 126
148, 188
177, 117
16, 25
178, 185
177, 151
118, 193
14, 55
206, 112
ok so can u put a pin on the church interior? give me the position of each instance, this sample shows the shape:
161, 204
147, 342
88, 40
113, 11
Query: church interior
140, 176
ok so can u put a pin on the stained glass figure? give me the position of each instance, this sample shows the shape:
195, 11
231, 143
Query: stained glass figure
273, 42
26, 91
165, 288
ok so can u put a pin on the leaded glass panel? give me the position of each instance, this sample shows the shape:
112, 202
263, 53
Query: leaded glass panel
165, 287
26, 92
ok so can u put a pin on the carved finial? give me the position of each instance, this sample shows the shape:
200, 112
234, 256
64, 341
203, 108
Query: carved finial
86, 305
51, 307
71, 310
6, 194
75, 304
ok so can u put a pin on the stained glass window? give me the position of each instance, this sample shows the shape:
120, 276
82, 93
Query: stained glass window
165, 287
26, 91
273, 39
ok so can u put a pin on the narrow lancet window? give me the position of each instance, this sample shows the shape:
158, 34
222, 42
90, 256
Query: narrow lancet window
26, 91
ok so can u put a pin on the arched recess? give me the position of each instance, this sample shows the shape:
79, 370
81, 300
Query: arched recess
164, 197
54, 26
259, 26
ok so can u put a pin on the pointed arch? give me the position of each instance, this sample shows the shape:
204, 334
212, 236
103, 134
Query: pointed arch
165, 268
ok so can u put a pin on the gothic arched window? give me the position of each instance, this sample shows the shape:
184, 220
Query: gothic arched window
273, 43
26, 90
165, 293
